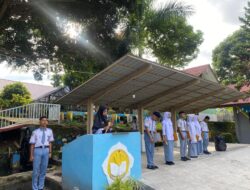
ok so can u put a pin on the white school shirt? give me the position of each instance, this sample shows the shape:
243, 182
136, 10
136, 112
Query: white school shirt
36, 137
150, 124
204, 126
182, 124
167, 129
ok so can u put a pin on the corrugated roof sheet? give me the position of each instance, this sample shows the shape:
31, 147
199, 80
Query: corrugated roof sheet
155, 88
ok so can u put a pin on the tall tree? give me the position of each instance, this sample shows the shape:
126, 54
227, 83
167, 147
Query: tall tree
41, 35
231, 59
79, 38
164, 32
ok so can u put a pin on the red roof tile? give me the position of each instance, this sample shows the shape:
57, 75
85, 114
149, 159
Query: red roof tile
197, 71
245, 89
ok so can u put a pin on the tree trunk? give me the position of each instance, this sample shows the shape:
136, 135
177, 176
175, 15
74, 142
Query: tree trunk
3, 8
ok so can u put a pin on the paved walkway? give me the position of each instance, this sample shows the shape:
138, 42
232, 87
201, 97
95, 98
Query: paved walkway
228, 170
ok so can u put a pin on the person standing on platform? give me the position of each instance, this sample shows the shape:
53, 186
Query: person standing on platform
101, 124
40, 152
199, 135
205, 134
182, 130
149, 135
168, 138
192, 150
134, 123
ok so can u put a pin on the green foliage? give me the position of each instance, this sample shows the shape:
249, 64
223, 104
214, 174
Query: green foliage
220, 128
228, 137
57, 80
73, 123
30, 36
173, 41
246, 19
13, 95
164, 32
129, 184
232, 57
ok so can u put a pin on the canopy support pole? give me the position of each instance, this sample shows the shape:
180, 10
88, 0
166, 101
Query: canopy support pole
90, 116
141, 120
141, 127
174, 119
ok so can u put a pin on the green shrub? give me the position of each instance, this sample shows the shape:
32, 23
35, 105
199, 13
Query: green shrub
78, 118
219, 128
228, 137
129, 184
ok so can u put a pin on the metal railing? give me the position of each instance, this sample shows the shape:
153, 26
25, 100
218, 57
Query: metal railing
29, 114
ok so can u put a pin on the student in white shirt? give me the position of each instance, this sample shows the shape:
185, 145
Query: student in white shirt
192, 151
149, 135
168, 138
199, 136
40, 152
182, 130
205, 134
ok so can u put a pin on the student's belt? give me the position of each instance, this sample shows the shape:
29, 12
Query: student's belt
42, 147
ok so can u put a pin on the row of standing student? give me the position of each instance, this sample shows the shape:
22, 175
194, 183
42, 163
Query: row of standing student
193, 136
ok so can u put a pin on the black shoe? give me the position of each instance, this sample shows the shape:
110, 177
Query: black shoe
183, 159
168, 163
151, 167
206, 152
187, 158
155, 167
172, 163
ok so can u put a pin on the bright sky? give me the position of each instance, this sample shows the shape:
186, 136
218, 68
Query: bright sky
215, 18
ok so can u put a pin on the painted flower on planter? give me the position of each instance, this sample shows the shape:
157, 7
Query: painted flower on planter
118, 163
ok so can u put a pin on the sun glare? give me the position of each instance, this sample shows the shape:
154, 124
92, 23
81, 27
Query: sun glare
73, 30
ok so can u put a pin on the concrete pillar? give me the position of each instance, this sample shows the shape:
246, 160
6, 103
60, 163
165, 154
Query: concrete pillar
174, 121
141, 127
237, 123
90, 116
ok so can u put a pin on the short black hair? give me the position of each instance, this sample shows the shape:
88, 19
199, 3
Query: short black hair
43, 117
157, 114
181, 112
207, 117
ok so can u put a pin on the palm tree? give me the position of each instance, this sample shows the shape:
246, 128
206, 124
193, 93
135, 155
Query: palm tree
142, 16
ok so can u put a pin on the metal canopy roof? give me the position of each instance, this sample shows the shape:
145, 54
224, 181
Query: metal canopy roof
132, 82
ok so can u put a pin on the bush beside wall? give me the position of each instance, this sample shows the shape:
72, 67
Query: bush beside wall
225, 129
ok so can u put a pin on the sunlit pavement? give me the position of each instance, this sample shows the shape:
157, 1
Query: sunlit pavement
228, 170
